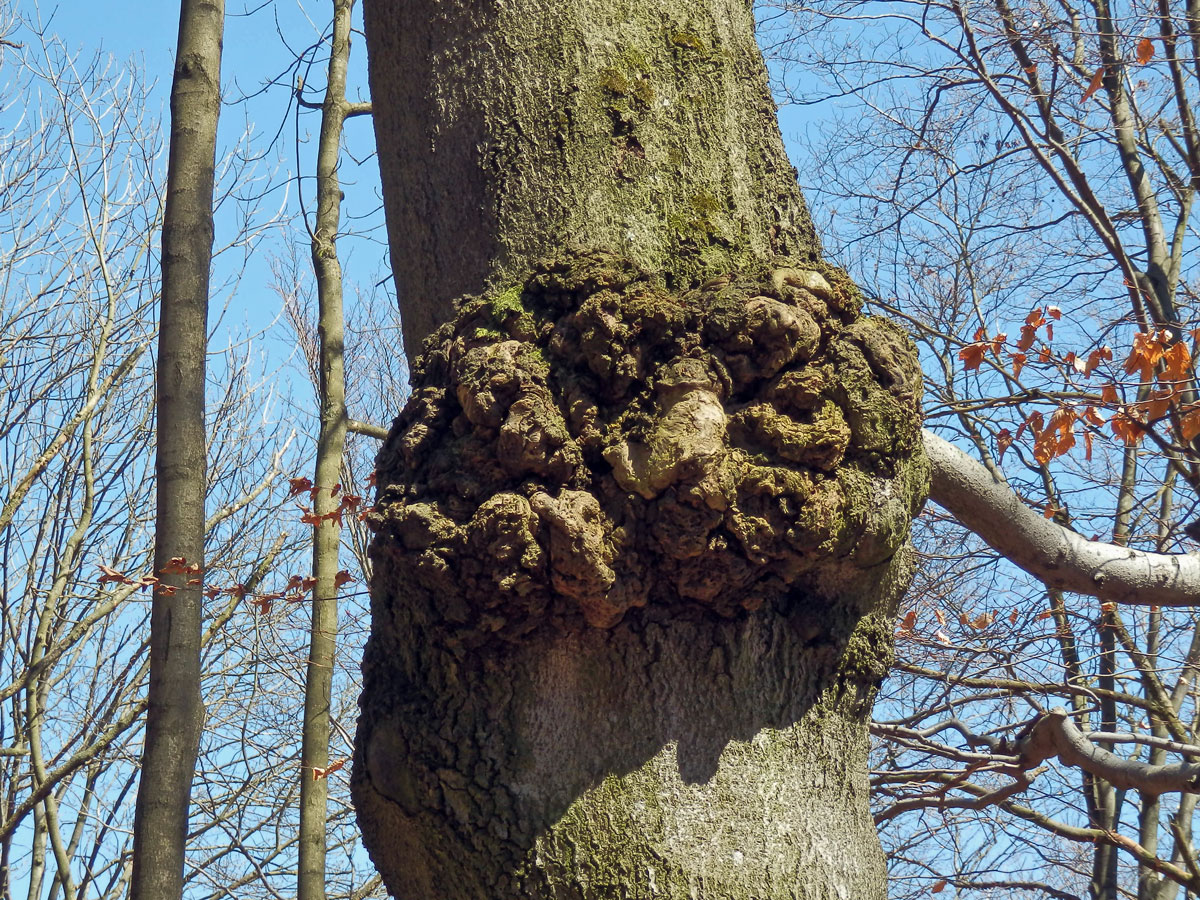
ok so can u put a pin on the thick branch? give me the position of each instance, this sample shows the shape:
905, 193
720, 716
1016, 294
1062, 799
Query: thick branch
1055, 735
1058, 556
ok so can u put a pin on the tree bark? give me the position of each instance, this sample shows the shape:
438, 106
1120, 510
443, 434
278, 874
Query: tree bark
1061, 558
331, 442
525, 733
175, 714
511, 129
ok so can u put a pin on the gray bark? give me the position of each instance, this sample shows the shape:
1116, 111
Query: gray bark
1061, 558
331, 442
175, 714
555, 704
1054, 735
511, 129
665, 757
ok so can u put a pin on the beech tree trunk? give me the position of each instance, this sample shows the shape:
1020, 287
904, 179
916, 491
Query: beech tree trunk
513, 129
629, 607
331, 442
175, 714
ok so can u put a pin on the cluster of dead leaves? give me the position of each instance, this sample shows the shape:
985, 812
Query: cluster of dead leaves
1163, 366
295, 590
320, 772
1143, 55
908, 623
350, 503
907, 628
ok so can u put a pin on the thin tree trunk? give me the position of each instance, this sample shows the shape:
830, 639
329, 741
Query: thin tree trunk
318, 686
1105, 809
175, 714
664, 751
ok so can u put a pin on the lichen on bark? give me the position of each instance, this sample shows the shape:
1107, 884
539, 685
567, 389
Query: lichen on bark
592, 460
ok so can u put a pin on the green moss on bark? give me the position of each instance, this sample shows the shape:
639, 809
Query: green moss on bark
688, 41
595, 122
671, 447
610, 500
624, 631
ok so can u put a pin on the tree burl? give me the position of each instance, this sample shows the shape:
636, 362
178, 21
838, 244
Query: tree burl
595, 461
591, 442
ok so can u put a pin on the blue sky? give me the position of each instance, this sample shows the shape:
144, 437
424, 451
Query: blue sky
258, 69
142, 36
261, 42
255, 54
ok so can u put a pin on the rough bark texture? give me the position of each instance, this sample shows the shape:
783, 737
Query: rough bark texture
175, 713
637, 559
643, 525
510, 128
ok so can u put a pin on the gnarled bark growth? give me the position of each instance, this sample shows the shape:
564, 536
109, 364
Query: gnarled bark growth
637, 545
641, 535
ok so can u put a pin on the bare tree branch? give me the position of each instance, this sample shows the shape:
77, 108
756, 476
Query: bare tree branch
1058, 556
367, 428
1055, 735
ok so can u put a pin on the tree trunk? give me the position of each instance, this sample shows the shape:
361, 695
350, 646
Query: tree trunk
513, 129
630, 606
175, 714
331, 442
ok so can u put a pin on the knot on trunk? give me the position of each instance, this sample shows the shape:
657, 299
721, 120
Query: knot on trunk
591, 441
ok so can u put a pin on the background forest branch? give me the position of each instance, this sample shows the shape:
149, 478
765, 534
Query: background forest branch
1016, 182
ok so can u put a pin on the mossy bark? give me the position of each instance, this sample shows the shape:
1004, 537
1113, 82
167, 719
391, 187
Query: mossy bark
509, 129
668, 757
643, 525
